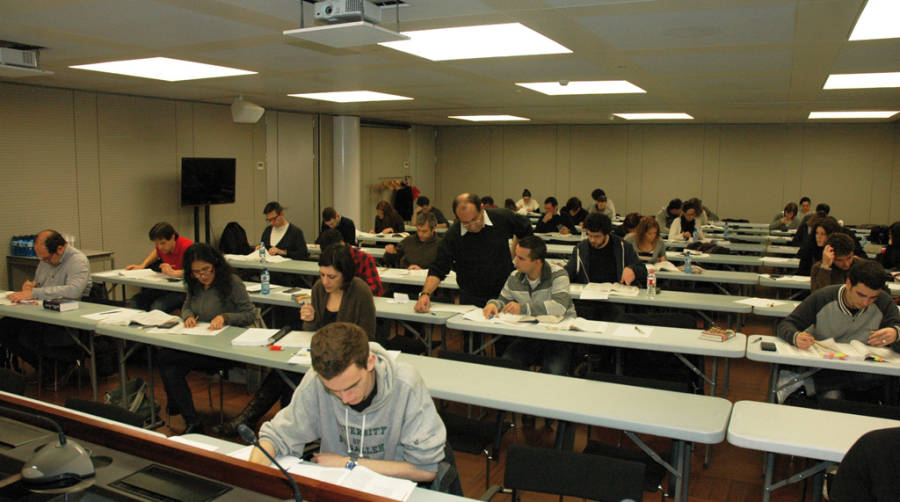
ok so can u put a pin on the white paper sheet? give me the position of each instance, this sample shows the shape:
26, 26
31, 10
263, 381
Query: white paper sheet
760, 302
633, 331
254, 337
451, 307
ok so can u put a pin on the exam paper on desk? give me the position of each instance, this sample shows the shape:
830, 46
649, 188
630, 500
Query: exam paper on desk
254, 256
759, 302
254, 337
201, 329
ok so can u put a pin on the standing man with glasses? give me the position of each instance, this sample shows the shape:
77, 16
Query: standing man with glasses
477, 247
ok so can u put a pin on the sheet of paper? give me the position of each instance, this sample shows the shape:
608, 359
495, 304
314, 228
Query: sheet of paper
775, 259
253, 287
99, 316
366, 480
152, 318
145, 273
202, 329
399, 298
452, 307
475, 315
195, 444
633, 331
760, 302
3, 298
243, 453
301, 356
582, 324
299, 339
254, 337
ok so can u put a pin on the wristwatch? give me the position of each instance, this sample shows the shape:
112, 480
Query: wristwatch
424, 293
351, 463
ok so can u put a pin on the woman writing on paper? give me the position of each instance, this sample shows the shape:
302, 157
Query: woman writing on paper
387, 220
214, 295
646, 240
338, 296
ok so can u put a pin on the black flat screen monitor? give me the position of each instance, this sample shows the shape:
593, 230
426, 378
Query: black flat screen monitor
206, 180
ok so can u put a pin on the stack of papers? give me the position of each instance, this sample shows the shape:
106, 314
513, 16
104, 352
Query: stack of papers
602, 290
452, 307
776, 260
125, 317
853, 351
254, 256
144, 273
760, 302
254, 337
544, 321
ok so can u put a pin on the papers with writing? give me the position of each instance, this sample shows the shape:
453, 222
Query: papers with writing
633, 331
254, 337
664, 265
582, 324
99, 316
853, 351
201, 329
776, 259
129, 316
254, 256
452, 307
144, 273
301, 356
760, 302
602, 290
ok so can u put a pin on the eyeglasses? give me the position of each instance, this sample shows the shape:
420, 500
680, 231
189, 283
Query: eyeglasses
272, 219
203, 272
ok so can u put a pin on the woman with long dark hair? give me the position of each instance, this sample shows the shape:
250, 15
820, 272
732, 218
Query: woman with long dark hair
811, 251
387, 220
214, 295
646, 240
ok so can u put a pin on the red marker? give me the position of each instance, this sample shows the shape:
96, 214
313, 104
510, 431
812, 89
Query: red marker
274, 347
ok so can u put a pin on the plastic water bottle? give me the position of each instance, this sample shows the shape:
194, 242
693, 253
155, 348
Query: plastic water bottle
29, 244
696, 235
864, 242
264, 280
725, 232
262, 252
651, 282
687, 261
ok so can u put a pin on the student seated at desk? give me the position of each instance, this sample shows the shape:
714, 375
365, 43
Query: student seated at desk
63, 272
366, 269
602, 204
423, 206
576, 213
890, 257
214, 295
552, 221
860, 310
811, 250
837, 258
603, 257
684, 226
387, 219
527, 204
366, 409
787, 219
417, 251
668, 214
169, 247
338, 296
535, 288
646, 241
281, 237
332, 220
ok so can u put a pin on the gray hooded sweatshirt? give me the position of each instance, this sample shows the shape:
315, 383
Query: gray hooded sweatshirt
400, 424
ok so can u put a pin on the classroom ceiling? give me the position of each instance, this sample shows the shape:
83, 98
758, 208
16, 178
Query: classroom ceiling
722, 61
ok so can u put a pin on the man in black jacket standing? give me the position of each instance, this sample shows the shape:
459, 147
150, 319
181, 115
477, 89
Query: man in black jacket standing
477, 247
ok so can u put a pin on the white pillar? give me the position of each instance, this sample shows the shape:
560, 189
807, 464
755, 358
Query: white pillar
347, 176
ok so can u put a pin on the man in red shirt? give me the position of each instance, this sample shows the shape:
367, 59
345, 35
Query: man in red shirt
167, 254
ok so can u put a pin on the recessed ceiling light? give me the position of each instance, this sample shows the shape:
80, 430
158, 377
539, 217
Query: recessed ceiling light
351, 96
878, 20
472, 42
852, 115
583, 87
654, 116
170, 70
487, 118
862, 80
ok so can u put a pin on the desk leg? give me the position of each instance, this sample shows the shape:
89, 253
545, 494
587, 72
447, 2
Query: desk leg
681, 446
688, 449
713, 386
93, 368
123, 377
150, 385
770, 470
726, 384
773, 383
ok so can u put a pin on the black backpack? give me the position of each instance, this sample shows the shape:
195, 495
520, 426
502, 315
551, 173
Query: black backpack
234, 240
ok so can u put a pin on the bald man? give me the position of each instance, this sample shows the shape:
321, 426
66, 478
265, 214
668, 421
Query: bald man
64, 272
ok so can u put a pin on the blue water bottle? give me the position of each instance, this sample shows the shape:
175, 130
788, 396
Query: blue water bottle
264, 280
725, 232
687, 261
262, 252
696, 235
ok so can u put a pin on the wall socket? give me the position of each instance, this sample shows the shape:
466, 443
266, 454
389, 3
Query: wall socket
260, 165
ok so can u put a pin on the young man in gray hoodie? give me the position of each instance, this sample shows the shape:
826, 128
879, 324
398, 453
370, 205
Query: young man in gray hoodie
356, 391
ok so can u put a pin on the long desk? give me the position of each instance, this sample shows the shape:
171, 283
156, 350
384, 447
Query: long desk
784, 354
803, 283
791, 430
738, 260
682, 417
20, 268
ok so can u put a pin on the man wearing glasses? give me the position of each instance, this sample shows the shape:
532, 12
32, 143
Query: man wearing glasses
282, 237
477, 247
64, 272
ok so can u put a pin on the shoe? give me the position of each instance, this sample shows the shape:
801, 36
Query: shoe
195, 428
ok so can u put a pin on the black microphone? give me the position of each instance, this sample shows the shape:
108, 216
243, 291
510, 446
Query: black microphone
248, 436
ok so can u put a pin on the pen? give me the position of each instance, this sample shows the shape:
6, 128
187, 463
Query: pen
758, 339
639, 330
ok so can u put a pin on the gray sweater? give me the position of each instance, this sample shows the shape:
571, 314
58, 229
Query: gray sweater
237, 309
659, 251
70, 278
550, 296
823, 314
401, 424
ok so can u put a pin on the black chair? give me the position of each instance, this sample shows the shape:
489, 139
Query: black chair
446, 479
107, 411
472, 435
567, 473
12, 382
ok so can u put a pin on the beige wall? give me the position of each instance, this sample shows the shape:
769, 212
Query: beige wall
106, 167
742, 171
384, 154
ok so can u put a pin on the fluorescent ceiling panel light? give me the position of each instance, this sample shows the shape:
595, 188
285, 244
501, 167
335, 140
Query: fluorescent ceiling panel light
350, 96
584, 87
654, 116
862, 80
487, 118
473, 42
170, 70
880, 19
862, 114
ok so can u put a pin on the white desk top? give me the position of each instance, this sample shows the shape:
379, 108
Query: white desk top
785, 355
664, 339
677, 299
70, 319
718, 276
804, 432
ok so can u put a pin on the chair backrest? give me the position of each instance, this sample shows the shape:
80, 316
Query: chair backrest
12, 382
103, 410
480, 359
567, 473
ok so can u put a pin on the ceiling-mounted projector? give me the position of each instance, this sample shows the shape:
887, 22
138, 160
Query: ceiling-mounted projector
245, 112
343, 11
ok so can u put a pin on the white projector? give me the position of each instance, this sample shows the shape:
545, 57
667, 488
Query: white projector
343, 11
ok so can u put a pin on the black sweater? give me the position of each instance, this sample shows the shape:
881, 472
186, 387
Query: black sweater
293, 242
481, 260
347, 229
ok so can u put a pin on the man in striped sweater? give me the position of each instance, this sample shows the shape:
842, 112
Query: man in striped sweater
535, 288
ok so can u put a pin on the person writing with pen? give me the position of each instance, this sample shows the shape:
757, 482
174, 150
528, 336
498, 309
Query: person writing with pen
338, 296
214, 295
860, 310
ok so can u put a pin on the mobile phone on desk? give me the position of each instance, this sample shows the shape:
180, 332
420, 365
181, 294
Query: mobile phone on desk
768, 347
